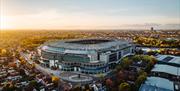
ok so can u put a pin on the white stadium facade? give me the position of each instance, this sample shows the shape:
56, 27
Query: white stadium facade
90, 56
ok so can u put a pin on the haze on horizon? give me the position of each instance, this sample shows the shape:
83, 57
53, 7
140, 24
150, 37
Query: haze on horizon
89, 14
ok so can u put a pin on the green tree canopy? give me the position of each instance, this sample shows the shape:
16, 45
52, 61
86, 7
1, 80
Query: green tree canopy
124, 87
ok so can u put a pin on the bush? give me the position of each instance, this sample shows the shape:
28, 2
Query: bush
124, 87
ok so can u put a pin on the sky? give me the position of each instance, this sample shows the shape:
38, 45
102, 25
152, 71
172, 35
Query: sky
89, 14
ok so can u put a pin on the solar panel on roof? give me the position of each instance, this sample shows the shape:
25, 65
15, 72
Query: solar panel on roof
167, 59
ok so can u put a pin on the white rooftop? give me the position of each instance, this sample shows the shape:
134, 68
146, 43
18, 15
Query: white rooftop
167, 69
96, 46
176, 59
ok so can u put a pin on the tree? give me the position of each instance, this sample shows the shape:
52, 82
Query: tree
22, 61
118, 68
12, 65
9, 87
120, 76
149, 66
77, 88
140, 72
101, 76
125, 63
32, 84
87, 88
124, 87
33, 65
22, 72
140, 80
3, 52
136, 58
55, 80
146, 58
109, 84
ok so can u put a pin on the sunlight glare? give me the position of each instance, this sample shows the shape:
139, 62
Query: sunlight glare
4, 22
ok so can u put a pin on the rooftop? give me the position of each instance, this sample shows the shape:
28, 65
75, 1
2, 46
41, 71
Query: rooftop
83, 44
157, 84
169, 59
89, 41
167, 69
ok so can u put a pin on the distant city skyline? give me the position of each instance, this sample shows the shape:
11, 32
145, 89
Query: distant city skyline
89, 14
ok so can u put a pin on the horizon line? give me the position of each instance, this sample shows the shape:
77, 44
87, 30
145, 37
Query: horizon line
61, 29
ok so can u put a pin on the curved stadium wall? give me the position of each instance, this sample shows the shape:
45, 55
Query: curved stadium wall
90, 56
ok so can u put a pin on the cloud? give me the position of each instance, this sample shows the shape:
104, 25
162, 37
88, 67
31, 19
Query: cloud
58, 19
143, 25
155, 25
169, 26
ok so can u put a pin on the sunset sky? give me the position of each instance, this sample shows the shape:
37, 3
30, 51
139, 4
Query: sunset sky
89, 14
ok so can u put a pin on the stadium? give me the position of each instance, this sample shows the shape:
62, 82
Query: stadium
90, 56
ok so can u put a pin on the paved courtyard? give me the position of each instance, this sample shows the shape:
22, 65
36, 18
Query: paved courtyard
76, 77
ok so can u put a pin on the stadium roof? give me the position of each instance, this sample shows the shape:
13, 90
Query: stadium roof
79, 44
89, 41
